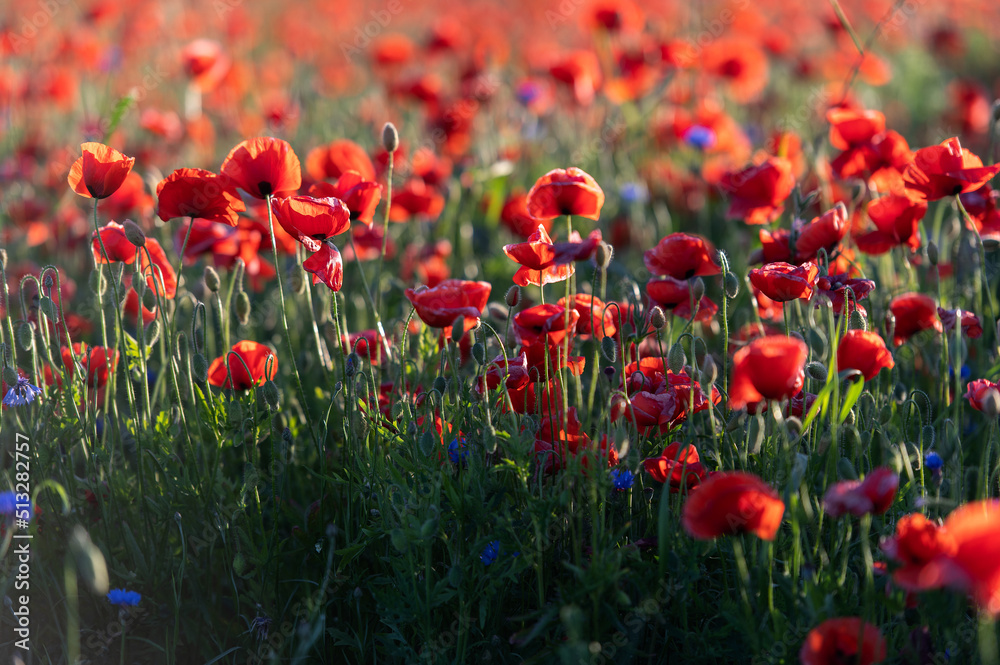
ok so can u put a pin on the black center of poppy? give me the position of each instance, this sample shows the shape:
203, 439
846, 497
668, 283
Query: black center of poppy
265, 188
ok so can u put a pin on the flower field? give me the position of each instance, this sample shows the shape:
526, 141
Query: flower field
585, 332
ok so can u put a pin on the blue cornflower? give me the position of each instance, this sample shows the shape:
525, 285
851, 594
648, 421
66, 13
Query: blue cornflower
457, 452
933, 461
634, 192
490, 554
699, 137
528, 91
21, 393
8, 505
123, 597
622, 478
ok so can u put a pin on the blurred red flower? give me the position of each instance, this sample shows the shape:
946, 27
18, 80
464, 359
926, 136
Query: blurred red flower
255, 358
758, 191
873, 495
728, 503
864, 351
767, 368
439, 306
843, 640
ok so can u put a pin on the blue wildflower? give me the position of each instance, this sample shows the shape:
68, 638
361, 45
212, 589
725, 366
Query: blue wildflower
933, 461
622, 478
634, 192
699, 137
528, 91
9, 506
490, 554
123, 597
457, 452
21, 393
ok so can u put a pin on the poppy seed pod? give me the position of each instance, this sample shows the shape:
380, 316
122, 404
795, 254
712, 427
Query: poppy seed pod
134, 234
513, 296
212, 280
657, 318
10, 376
479, 353
243, 307
390, 137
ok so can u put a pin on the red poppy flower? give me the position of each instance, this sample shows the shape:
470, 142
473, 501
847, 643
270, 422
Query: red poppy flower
254, 356
326, 266
758, 191
439, 306
974, 566
312, 221
770, 367
341, 156
679, 465
131, 199
548, 323
775, 246
682, 256
554, 444
782, 282
116, 244
871, 496
824, 232
835, 288
741, 64
944, 170
914, 312
415, 198
199, 193
368, 243
844, 640
537, 258
359, 195
970, 323
594, 318
729, 503
515, 216
896, 218
99, 171
580, 70
565, 192
264, 167
854, 127
864, 351
918, 544
206, 63
982, 391
984, 211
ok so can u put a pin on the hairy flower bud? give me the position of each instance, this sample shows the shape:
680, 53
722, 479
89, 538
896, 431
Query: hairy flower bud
657, 318
676, 358
603, 254
513, 296
609, 349
199, 366
732, 285
243, 308
298, 280
212, 280
270, 392
697, 290
816, 371
390, 137
134, 234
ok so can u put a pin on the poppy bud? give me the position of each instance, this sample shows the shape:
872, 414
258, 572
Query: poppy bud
427, 444
298, 280
235, 413
440, 384
851, 417
609, 349
793, 425
390, 137
458, 329
10, 376
134, 234
697, 289
845, 469
732, 285
932, 253
676, 358
25, 336
817, 371
152, 333
497, 311
657, 318
98, 285
212, 279
479, 353
603, 254
243, 307
899, 393
48, 307
858, 322
513, 296
270, 392
199, 366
